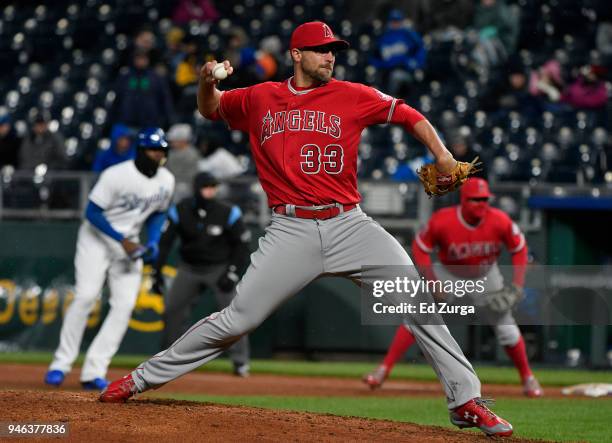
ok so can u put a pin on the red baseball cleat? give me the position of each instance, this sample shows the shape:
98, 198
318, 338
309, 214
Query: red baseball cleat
532, 388
475, 414
119, 391
377, 377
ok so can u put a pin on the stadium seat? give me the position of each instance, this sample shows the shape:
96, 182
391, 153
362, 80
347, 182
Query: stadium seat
600, 137
65, 58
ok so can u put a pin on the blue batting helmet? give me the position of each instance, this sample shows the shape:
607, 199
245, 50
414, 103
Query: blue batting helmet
152, 138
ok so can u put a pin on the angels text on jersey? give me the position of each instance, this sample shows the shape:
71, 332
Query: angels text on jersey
300, 120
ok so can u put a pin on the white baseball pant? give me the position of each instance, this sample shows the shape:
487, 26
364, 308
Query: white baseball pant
97, 255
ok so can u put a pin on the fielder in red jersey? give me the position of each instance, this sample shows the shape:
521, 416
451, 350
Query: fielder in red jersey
468, 239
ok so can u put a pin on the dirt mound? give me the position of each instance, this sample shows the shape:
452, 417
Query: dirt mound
151, 420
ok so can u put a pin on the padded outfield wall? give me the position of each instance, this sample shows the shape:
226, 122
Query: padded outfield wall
37, 282
36, 286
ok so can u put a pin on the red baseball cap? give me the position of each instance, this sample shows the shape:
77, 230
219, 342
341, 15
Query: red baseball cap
313, 34
475, 187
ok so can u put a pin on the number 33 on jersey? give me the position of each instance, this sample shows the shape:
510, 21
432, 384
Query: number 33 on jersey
311, 121
304, 154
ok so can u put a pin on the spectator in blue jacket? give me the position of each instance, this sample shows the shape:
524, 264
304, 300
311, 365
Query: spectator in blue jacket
400, 53
407, 172
121, 149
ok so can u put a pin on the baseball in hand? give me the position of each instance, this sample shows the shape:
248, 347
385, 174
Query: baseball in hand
219, 72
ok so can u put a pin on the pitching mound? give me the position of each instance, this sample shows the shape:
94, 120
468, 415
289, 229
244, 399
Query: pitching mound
149, 420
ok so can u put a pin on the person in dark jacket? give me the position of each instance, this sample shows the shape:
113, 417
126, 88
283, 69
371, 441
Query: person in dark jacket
463, 152
214, 252
41, 146
143, 96
121, 149
498, 28
9, 142
510, 92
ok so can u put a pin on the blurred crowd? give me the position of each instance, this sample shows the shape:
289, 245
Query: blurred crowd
510, 63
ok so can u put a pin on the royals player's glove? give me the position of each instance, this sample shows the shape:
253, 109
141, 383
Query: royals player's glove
505, 299
437, 183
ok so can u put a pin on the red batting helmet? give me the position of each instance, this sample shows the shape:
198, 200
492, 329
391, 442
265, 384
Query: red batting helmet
313, 34
475, 187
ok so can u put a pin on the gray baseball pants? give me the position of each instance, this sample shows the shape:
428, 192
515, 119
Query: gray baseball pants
184, 292
292, 253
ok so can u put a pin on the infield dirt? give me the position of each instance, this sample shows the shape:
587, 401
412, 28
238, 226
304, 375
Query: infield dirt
24, 398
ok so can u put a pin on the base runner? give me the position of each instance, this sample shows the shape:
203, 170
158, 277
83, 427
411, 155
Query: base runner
127, 196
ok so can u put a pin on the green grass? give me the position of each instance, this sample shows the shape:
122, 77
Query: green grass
487, 374
549, 419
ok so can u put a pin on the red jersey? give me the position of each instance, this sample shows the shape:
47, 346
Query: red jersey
459, 243
305, 142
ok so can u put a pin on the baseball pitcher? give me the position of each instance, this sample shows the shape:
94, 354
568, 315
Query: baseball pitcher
304, 134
